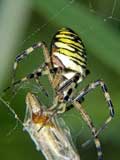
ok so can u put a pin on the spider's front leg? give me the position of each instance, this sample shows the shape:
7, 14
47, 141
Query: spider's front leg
91, 87
28, 51
44, 70
68, 87
34, 75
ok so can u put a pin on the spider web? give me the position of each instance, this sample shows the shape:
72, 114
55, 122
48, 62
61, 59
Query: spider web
39, 29
108, 13
29, 37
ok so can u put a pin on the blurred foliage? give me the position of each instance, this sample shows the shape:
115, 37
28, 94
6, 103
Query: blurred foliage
26, 22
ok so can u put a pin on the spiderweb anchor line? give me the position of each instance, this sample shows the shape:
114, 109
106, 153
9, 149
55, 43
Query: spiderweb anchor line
111, 16
11, 110
50, 20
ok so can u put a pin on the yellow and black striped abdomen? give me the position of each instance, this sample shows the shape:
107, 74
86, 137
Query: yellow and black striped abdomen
68, 51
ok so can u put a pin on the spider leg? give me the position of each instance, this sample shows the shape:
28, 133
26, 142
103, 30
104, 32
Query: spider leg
57, 108
68, 87
34, 75
28, 51
71, 84
46, 69
57, 78
74, 79
89, 122
63, 98
62, 107
89, 88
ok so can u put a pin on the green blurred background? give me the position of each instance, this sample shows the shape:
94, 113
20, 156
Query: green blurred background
23, 23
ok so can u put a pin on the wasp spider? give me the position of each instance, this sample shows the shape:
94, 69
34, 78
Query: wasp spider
66, 67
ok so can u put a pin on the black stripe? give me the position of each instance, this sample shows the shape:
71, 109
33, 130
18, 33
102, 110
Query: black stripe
111, 108
18, 57
66, 98
69, 107
58, 40
31, 75
76, 77
104, 88
38, 74
68, 94
83, 66
82, 50
66, 84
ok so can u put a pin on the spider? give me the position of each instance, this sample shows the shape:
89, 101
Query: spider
66, 66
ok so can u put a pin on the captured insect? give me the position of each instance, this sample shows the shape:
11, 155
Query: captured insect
54, 142
51, 137
66, 66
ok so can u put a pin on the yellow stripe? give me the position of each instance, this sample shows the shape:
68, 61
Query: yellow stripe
67, 32
64, 36
64, 45
71, 42
71, 54
98, 146
97, 142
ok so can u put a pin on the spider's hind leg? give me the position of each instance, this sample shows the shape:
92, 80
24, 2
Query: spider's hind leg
91, 87
90, 124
